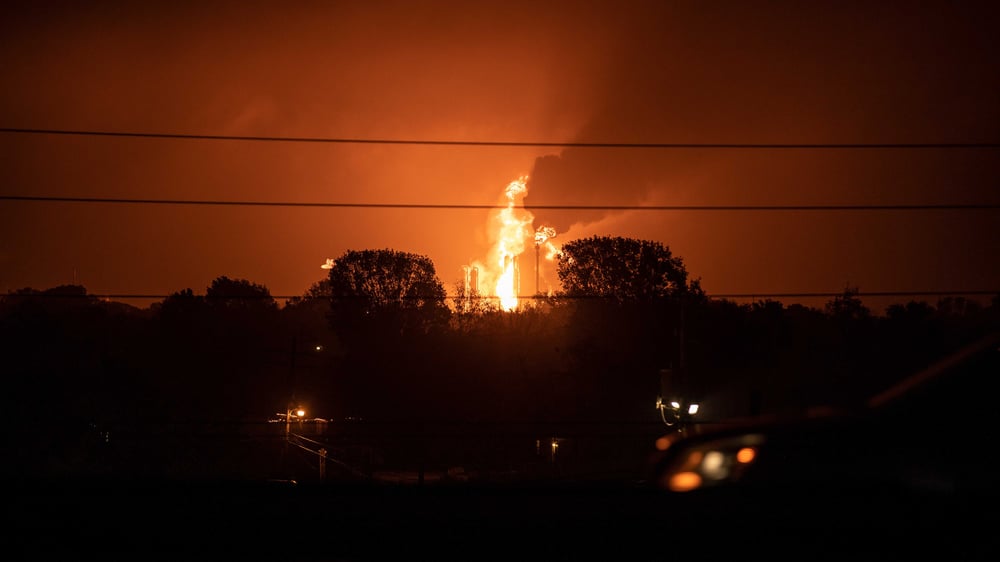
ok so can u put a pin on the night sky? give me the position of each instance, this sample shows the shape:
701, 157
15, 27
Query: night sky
746, 72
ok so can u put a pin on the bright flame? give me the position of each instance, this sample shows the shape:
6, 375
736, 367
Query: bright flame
500, 277
544, 233
513, 230
543, 238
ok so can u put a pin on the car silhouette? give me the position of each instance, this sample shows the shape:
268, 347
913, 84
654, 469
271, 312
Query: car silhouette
912, 464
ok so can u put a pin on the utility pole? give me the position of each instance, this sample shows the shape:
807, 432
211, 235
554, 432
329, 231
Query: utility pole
291, 399
680, 338
291, 372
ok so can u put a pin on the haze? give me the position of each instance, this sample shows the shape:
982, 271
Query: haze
551, 72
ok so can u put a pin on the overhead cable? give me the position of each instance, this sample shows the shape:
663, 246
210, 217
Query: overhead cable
459, 206
458, 142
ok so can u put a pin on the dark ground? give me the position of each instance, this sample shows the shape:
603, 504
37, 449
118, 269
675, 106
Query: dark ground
540, 520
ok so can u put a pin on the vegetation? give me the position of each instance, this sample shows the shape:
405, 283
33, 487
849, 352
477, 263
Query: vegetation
376, 340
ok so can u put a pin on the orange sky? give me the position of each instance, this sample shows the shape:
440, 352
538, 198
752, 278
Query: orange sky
628, 72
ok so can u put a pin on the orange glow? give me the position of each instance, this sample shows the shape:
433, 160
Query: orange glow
684, 482
512, 235
746, 455
693, 460
544, 233
543, 239
513, 231
662, 444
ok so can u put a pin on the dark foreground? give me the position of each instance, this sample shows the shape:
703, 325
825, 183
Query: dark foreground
525, 521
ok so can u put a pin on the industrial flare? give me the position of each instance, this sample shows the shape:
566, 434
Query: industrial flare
514, 231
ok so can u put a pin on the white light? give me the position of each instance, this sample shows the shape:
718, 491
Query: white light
713, 465
693, 409
328, 264
675, 405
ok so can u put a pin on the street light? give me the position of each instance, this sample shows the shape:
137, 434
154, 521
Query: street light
680, 412
299, 412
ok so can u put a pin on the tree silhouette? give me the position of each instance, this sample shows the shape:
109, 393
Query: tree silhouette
621, 268
317, 292
238, 294
848, 306
386, 293
182, 307
636, 286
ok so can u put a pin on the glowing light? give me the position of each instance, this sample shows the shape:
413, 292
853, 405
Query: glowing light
713, 460
513, 231
693, 460
501, 276
714, 465
675, 405
543, 234
746, 455
300, 412
662, 444
693, 409
327, 265
543, 238
684, 481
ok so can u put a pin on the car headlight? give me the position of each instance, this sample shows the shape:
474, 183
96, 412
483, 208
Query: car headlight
711, 463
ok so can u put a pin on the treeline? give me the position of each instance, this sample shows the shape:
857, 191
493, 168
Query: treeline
378, 339
68, 354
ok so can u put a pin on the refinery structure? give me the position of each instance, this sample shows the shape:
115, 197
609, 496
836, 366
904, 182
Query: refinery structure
498, 278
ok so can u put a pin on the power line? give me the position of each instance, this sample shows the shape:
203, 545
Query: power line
442, 142
233, 203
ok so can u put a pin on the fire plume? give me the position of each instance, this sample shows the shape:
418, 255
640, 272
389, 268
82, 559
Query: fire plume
514, 229
512, 235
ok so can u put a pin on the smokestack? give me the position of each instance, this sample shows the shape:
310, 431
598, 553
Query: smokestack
517, 276
474, 281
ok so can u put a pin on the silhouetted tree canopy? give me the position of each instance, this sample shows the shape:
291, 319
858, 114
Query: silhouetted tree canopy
622, 268
238, 294
182, 306
318, 291
387, 292
848, 306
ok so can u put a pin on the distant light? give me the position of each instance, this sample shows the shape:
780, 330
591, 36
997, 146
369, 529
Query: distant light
746, 455
319, 348
300, 412
714, 465
327, 265
684, 481
675, 405
693, 409
693, 460
662, 444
